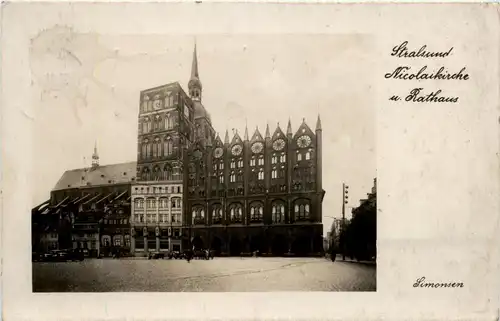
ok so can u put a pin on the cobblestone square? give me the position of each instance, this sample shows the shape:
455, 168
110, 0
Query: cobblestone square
218, 275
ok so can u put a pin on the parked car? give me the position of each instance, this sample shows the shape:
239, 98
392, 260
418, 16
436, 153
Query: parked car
64, 255
175, 255
156, 255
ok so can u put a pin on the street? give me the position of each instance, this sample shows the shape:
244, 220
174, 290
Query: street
218, 275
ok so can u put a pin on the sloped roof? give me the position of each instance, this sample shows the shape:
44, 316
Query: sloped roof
102, 175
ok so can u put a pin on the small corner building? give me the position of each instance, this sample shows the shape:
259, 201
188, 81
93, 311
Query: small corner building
189, 188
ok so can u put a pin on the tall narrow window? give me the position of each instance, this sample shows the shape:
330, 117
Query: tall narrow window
308, 156
283, 158
299, 157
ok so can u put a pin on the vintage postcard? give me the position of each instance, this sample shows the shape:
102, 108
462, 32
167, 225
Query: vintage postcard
250, 161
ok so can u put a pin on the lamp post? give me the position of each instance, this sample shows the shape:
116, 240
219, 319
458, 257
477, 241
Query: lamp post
345, 200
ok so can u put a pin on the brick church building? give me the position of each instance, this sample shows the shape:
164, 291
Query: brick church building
190, 188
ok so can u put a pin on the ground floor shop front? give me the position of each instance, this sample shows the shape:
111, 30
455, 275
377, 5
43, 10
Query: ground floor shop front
281, 240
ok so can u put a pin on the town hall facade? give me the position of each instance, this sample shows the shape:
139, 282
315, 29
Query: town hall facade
190, 188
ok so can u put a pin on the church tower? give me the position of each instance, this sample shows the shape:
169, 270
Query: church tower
203, 123
95, 157
194, 84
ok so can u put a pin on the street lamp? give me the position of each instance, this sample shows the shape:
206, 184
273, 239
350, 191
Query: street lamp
345, 200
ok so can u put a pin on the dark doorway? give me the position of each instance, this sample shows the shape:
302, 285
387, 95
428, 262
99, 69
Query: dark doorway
216, 245
257, 244
301, 246
279, 245
235, 247
197, 243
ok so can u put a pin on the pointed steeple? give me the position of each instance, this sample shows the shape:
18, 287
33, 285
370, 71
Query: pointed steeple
194, 64
318, 123
246, 133
289, 128
268, 134
95, 156
194, 84
226, 138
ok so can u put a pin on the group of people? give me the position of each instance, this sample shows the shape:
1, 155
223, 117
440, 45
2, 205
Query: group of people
199, 254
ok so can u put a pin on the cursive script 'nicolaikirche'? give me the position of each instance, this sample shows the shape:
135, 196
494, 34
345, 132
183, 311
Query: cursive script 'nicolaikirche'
405, 73
401, 51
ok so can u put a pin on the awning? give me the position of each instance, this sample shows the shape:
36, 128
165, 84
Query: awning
119, 196
105, 197
42, 205
92, 199
81, 199
61, 202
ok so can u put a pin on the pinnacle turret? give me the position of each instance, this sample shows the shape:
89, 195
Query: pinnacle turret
289, 128
318, 123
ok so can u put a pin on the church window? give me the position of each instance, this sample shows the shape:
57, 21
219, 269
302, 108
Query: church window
239, 177
175, 202
261, 174
167, 147
308, 156
278, 213
299, 157
283, 158
261, 160
233, 164
256, 212
155, 149
240, 163
148, 150
232, 177
221, 179
167, 174
274, 159
221, 165
274, 173
215, 167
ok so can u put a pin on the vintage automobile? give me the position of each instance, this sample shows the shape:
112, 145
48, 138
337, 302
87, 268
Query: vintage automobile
64, 255
156, 255
175, 255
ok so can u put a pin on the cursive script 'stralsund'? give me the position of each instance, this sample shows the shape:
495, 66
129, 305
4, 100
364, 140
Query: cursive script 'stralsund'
401, 51
420, 283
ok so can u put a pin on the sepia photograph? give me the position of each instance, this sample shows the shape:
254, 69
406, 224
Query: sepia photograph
203, 163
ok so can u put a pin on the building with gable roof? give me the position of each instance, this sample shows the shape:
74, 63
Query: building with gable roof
189, 188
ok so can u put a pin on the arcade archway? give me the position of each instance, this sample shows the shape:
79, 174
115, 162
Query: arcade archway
279, 245
216, 245
197, 243
235, 247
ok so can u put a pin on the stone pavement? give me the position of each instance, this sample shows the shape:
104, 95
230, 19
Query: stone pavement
220, 274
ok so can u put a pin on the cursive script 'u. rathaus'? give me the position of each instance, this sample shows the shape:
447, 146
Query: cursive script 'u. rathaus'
401, 51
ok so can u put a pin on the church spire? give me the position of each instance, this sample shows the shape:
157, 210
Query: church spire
289, 127
194, 84
246, 132
95, 156
268, 134
226, 138
194, 65
318, 123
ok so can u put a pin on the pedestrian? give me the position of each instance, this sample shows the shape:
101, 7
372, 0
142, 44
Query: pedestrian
333, 255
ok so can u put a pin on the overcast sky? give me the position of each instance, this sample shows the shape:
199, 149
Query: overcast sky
86, 88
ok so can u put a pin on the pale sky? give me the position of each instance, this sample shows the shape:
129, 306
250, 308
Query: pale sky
86, 88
